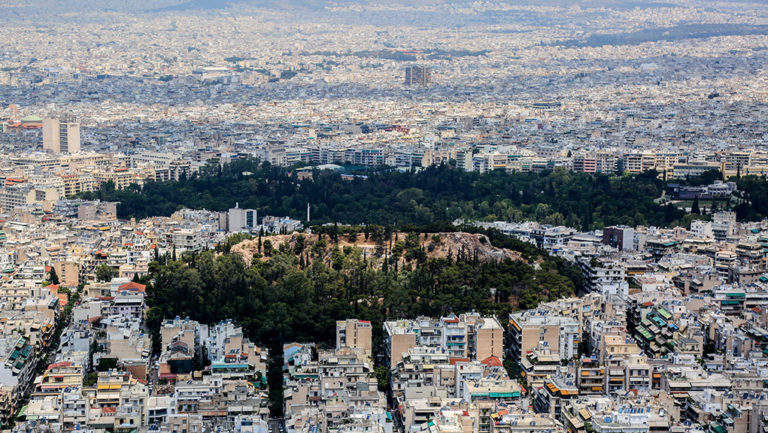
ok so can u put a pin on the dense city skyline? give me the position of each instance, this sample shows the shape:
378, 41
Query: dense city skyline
438, 216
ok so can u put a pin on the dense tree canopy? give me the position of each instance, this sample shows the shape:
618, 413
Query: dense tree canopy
392, 197
754, 198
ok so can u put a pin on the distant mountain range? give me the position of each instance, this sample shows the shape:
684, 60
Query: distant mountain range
61, 10
321, 4
57, 6
265, 4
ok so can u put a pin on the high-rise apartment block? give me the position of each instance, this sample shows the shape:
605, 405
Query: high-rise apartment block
61, 136
417, 75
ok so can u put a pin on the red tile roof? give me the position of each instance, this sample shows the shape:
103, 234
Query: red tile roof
59, 364
492, 361
132, 287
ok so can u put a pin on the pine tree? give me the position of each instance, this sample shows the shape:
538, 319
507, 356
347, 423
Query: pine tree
385, 264
695, 206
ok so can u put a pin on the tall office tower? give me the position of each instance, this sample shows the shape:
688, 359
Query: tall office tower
417, 75
61, 136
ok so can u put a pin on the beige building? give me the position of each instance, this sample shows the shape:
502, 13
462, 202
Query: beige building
528, 328
186, 422
68, 272
97, 211
75, 183
617, 343
61, 137
122, 178
354, 334
399, 337
490, 339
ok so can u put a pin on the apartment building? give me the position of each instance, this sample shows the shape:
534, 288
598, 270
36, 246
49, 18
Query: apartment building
527, 328
354, 334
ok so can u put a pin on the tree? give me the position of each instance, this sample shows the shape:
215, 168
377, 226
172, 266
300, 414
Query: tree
298, 247
695, 206
388, 197
398, 249
382, 377
91, 379
54, 278
268, 250
105, 273
106, 364
318, 249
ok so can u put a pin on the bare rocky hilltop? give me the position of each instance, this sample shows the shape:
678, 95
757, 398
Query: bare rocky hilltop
434, 245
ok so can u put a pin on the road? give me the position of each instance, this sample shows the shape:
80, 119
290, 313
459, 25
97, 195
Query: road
276, 425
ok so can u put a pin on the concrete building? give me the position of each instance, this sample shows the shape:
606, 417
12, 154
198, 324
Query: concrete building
417, 75
61, 136
621, 237
68, 273
399, 336
489, 339
241, 219
97, 210
354, 334
528, 328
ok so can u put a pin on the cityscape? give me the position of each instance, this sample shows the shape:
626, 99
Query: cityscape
444, 216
